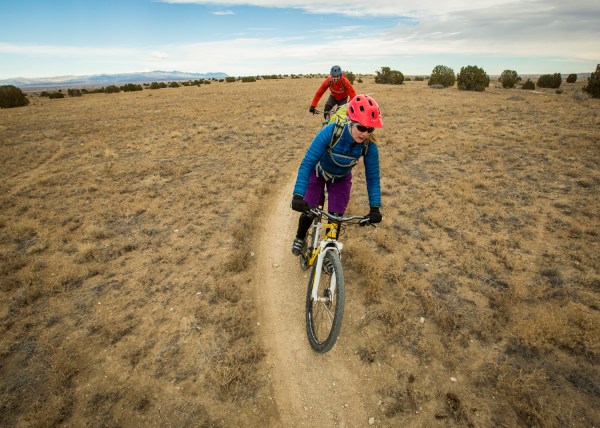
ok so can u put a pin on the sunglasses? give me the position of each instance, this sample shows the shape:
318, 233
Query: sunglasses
362, 128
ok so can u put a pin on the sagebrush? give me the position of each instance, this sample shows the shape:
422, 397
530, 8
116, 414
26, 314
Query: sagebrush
442, 75
11, 96
472, 78
593, 85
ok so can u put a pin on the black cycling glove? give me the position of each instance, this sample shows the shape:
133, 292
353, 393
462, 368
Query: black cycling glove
374, 215
299, 204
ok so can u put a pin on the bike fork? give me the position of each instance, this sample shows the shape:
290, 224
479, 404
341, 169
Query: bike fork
317, 278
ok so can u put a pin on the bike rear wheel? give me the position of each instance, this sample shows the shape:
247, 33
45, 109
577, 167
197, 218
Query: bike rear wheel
324, 315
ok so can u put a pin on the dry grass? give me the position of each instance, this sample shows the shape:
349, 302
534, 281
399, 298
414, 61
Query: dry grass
489, 235
129, 226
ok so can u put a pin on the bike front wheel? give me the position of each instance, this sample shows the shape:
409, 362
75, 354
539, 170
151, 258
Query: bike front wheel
324, 314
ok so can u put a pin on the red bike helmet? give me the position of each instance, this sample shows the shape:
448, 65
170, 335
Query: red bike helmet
364, 110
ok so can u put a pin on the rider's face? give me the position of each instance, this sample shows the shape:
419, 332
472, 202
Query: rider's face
357, 135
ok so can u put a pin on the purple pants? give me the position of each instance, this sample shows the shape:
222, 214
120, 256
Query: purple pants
338, 192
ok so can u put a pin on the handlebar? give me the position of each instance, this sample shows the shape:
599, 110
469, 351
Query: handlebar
362, 219
330, 112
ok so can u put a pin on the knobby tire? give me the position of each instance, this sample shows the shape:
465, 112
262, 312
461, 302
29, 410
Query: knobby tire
324, 319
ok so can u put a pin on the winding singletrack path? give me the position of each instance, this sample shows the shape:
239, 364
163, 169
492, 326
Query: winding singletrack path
311, 389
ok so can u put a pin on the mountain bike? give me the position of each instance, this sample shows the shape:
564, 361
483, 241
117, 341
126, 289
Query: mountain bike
325, 294
325, 120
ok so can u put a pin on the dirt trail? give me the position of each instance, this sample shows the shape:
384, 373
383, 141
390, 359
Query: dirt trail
311, 389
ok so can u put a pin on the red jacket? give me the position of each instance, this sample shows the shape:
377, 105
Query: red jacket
340, 89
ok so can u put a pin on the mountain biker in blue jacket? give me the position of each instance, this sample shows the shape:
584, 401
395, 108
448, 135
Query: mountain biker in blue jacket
331, 167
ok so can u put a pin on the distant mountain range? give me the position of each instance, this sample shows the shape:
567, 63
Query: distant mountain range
109, 79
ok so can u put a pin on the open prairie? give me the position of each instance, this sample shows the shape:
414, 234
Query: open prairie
146, 277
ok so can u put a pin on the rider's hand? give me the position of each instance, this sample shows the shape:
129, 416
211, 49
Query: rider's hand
312, 110
374, 215
299, 204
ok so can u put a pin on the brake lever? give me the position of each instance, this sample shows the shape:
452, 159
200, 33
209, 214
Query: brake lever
365, 222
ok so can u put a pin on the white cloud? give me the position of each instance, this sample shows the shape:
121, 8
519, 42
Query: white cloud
555, 30
254, 56
357, 7
223, 12
66, 51
159, 55
530, 30
538, 28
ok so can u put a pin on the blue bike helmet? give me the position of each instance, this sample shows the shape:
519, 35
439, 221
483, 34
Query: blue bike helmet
336, 71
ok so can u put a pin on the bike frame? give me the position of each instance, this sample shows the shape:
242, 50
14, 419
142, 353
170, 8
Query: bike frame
320, 247
326, 245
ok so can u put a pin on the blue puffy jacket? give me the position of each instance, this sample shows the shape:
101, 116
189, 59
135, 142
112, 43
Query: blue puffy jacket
339, 162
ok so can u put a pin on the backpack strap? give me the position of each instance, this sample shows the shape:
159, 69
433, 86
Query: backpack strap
337, 133
365, 148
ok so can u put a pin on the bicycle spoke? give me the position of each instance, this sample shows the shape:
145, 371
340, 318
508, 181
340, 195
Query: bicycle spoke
324, 313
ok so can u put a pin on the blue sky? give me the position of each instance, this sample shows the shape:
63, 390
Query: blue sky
47, 38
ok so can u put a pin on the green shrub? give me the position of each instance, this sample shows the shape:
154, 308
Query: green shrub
173, 85
388, 76
572, 78
593, 85
230, 79
549, 81
359, 80
11, 96
350, 76
111, 89
509, 79
442, 75
472, 78
74, 92
131, 87
421, 78
55, 95
528, 85
248, 79
154, 85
